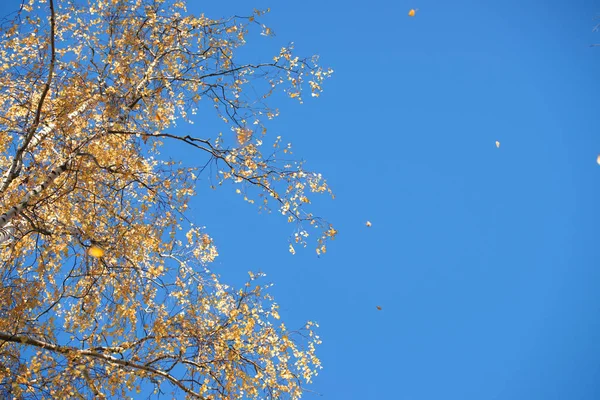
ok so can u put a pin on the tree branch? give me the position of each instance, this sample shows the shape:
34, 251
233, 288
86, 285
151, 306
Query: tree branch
20, 339
14, 170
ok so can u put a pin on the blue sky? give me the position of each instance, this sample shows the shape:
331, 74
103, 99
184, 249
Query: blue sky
484, 260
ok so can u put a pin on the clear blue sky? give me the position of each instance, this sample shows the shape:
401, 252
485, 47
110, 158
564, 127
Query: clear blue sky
484, 260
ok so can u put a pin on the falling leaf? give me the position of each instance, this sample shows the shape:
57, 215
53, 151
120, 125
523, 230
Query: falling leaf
497, 144
368, 224
96, 251
379, 308
412, 12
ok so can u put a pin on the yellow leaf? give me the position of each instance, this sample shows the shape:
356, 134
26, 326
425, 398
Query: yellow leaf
243, 135
412, 12
96, 251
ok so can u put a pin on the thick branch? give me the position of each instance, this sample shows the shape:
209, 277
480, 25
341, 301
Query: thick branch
14, 170
16, 209
99, 356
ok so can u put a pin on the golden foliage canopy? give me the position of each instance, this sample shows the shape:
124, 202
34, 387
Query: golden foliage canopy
99, 293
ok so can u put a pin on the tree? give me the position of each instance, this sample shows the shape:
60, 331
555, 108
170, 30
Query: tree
99, 293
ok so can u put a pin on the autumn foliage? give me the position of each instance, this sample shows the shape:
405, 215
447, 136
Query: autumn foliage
105, 287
